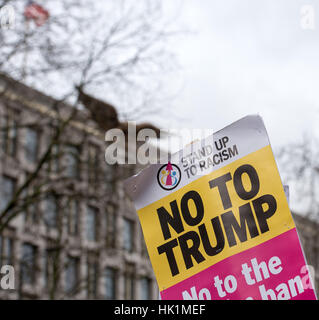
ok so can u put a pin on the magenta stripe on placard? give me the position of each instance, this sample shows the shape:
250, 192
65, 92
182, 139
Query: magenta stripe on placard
272, 270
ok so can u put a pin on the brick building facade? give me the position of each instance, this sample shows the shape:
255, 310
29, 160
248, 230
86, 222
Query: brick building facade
81, 238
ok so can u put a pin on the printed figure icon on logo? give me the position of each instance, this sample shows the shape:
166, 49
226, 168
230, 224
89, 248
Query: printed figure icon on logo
169, 176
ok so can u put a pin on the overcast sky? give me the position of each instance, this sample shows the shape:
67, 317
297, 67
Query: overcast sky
249, 57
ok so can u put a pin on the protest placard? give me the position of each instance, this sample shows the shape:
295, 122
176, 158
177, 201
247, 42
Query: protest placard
216, 220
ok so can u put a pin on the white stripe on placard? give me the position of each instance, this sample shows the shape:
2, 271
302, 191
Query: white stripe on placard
245, 136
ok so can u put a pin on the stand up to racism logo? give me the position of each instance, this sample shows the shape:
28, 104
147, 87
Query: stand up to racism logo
169, 176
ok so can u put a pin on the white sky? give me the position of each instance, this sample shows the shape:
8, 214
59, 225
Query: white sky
248, 57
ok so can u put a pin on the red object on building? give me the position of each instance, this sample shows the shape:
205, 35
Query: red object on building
37, 13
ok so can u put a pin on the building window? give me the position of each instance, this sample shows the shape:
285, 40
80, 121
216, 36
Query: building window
129, 282
54, 161
6, 251
91, 224
73, 217
7, 189
92, 279
72, 161
128, 235
145, 284
10, 134
108, 179
51, 264
30, 197
93, 165
72, 275
110, 228
31, 145
28, 264
51, 211
110, 283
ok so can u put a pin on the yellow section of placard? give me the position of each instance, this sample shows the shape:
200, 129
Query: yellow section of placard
269, 184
